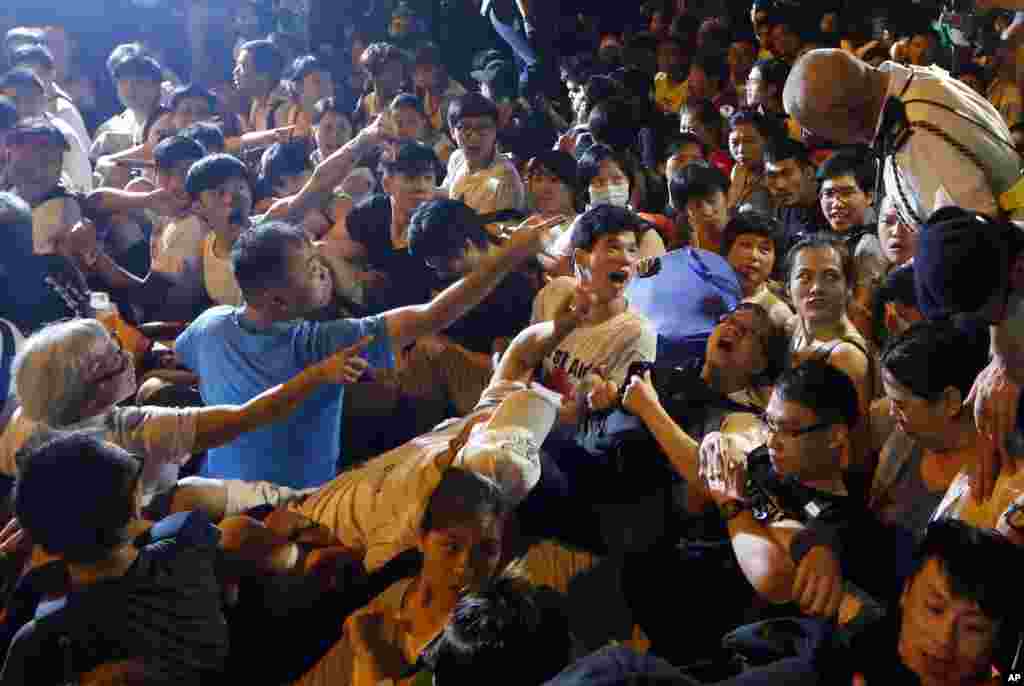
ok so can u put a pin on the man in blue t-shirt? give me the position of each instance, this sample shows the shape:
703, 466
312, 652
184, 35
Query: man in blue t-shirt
239, 352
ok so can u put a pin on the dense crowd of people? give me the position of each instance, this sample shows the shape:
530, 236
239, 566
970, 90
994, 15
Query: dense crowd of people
679, 343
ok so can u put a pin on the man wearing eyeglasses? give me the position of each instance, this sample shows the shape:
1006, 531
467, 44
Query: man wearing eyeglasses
797, 535
784, 526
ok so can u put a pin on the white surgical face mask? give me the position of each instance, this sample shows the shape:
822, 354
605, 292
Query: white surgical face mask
616, 194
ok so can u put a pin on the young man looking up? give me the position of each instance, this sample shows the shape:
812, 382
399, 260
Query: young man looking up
846, 182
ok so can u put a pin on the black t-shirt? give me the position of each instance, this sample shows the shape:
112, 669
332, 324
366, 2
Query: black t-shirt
410, 280
502, 314
165, 612
40, 289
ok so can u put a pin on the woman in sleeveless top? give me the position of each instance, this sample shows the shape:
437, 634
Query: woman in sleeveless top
821, 282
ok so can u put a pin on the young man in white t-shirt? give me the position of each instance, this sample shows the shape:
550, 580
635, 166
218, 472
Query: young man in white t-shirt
478, 174
605, 245
587, 368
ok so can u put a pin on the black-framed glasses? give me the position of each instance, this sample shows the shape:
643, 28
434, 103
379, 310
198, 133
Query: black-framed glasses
773, 428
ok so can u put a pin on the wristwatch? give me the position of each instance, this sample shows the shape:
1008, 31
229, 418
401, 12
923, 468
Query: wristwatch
731, 509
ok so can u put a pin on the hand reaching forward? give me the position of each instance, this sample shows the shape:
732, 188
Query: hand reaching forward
81, 245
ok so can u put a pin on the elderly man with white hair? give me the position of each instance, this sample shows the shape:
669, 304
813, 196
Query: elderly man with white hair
942, 143
73, 376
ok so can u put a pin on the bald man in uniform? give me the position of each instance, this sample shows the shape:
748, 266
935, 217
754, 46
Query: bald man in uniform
842, 98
